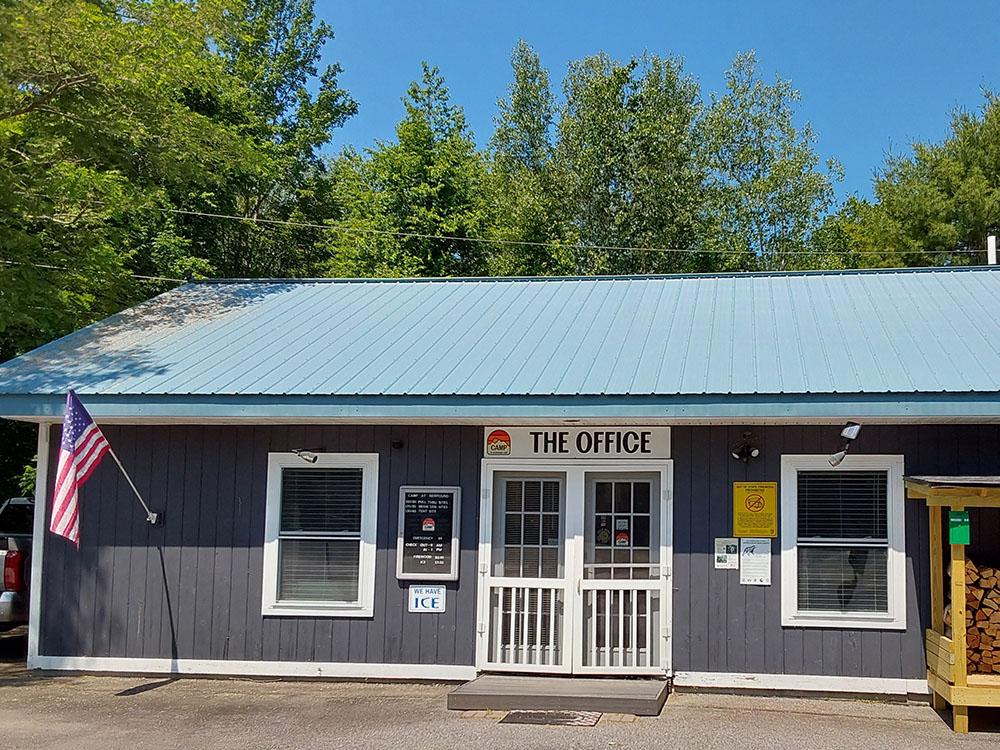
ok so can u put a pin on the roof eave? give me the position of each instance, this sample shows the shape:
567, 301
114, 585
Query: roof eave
734, 407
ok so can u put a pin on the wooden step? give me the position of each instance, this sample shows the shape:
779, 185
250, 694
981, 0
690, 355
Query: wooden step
641, 697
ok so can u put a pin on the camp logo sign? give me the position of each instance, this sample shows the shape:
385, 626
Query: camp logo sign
577, 442
498, 443
755, 509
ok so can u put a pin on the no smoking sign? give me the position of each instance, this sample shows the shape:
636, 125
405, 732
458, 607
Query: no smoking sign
755, 509
754, 503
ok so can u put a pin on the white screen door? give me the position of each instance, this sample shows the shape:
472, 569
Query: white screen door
527, 582
621, 588
575, 569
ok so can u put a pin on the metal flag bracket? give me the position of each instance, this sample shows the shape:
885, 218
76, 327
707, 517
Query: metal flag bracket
151, 517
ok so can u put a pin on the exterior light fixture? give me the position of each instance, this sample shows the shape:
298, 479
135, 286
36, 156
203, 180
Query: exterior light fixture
745, 449
307, 456
838, 457
849, 433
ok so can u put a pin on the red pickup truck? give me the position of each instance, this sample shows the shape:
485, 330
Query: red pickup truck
16, 516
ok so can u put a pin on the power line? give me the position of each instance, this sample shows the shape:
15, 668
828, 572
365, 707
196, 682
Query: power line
64, 268
522, 243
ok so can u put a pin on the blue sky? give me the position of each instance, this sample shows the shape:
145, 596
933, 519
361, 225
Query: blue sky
874, 76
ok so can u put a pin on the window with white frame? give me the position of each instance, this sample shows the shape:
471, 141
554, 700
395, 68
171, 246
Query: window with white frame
319, 543
842, 542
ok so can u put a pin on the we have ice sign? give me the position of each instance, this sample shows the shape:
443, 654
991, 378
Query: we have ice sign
427, 599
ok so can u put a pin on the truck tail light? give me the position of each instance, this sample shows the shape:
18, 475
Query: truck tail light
13, 570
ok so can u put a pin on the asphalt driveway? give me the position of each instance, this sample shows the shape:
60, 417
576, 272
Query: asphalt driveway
104, 712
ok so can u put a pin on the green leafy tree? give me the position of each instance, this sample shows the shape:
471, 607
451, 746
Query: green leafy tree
409, 206
290, 109
628, 157
769, 190
95, 119
934, 207
524, 185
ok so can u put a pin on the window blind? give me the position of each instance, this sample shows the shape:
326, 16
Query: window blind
324, 503
843, 579
319, 570
843, 505
531, 523
321, 500
843, 545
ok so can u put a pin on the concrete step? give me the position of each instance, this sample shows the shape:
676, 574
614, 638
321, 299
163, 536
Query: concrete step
641, 697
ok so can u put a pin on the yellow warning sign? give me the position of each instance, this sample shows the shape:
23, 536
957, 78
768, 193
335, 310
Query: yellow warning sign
755, 509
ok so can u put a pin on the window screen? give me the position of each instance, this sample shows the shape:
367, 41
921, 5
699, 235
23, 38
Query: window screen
532, 525
843, 544
319, 540
624, 542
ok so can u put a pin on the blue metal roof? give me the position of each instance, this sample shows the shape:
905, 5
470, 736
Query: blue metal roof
787, 335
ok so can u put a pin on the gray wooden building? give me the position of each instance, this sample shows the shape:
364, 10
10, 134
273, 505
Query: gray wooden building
435, 478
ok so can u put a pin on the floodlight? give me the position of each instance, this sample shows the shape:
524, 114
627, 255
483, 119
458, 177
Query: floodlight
850, 431
307, 456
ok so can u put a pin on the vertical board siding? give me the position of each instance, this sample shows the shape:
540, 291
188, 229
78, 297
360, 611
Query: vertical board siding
721, 626
190, 588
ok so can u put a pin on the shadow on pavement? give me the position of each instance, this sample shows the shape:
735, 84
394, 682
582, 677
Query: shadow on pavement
145, 688
14, 645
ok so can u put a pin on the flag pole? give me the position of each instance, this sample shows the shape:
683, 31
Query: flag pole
151, 517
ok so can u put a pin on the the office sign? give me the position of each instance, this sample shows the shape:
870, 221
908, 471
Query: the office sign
577, 442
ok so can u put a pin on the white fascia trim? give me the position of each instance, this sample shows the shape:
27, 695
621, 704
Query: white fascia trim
38, 538
802, 683
234, 668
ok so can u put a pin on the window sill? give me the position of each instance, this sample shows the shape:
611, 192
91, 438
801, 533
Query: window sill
852, 621
316, 609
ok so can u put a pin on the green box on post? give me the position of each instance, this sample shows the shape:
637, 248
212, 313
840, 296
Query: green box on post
958, 527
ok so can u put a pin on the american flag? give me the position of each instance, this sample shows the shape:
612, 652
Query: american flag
83, 446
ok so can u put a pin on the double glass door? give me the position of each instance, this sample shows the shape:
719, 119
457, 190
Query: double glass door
576, 580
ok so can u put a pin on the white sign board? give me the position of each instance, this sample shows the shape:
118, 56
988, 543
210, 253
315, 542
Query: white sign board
755, 561
577, 442
727, 553
427, 599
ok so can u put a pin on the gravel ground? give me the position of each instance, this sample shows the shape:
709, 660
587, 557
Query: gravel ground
107, 712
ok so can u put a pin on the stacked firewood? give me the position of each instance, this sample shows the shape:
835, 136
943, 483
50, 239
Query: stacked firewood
982, 618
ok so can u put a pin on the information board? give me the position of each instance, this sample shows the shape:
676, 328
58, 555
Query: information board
427, 544
755, 561
755, 509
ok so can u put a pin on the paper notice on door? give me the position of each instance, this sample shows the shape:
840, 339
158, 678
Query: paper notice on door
727, 553
755, 561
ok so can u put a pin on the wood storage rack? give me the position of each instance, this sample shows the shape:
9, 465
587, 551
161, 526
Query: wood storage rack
949, 676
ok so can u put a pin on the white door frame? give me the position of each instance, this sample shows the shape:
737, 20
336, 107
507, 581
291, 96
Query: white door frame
576, 471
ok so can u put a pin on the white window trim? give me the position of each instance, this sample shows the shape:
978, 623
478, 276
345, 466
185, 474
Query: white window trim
895, 618
365, 606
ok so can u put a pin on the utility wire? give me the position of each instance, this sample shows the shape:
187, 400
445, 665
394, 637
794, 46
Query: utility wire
64, 268
522, 243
